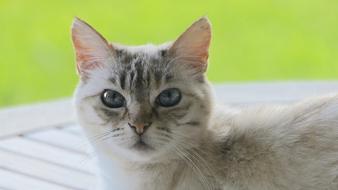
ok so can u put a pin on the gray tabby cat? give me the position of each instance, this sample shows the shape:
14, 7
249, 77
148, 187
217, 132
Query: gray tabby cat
148, 112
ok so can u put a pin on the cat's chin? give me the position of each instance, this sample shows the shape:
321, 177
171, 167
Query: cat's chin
141, 153
141, 147
138, 152
144, 154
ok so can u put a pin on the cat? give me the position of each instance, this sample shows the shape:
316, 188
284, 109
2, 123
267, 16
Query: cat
149, 113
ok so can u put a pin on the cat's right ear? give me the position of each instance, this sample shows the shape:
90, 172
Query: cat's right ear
91, 49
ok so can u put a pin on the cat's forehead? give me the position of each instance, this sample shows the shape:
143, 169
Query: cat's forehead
144, 56
149, 50
140, 67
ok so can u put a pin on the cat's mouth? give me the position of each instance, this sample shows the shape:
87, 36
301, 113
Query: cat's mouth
141, 145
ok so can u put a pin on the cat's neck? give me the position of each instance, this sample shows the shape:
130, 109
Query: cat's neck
130, 175
189, 165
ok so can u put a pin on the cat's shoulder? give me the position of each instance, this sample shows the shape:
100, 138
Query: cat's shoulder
315, 111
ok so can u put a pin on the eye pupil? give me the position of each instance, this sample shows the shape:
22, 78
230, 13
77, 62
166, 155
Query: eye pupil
169, 97
112, 99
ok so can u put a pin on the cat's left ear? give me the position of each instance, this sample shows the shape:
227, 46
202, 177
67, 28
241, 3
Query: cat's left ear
192, 47
92, 49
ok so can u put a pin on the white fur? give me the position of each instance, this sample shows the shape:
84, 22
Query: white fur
270, 147
290, 162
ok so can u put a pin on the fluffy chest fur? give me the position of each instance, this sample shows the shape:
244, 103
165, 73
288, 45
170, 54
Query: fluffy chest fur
164, 176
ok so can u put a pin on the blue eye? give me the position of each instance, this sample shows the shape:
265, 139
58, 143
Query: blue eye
169, 97
112, 99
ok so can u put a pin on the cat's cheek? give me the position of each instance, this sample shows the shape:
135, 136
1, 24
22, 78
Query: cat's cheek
86, 116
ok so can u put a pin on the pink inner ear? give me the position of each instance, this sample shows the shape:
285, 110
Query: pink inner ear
90, 46
193, 44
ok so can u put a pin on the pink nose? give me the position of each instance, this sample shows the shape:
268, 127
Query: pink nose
139, 128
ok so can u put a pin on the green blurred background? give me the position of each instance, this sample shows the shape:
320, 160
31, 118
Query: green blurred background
253, 39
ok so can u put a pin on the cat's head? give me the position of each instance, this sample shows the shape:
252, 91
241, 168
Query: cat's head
143, 102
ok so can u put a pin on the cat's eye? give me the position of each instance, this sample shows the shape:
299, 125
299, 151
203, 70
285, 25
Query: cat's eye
112, 99
169, 97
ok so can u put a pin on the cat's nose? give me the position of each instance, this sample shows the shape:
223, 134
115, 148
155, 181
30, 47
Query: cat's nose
139, 128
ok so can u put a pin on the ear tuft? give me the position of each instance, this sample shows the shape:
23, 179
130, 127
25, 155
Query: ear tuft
192, 46
90, 47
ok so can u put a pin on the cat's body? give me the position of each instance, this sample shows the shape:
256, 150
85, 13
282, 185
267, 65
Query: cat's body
149, 114
289, 147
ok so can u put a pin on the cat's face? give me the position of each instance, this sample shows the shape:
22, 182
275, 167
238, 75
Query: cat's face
143, 102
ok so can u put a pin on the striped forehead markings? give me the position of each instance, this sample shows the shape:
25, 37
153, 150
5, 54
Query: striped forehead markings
138, 70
